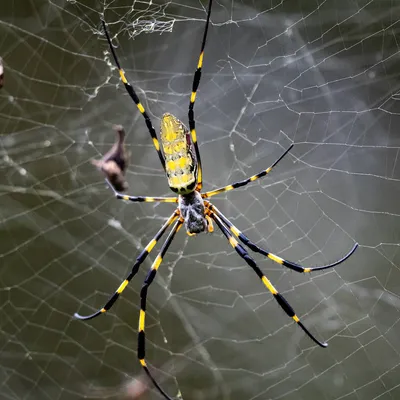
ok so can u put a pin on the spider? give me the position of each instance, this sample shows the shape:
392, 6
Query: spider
180, 157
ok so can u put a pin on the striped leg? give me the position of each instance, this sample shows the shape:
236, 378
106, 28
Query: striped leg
196, 81
140, 199
273, 257
245, 181
135, 98
139, 260
143, 299
250, 261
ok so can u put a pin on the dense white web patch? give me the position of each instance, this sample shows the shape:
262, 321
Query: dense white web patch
323, 75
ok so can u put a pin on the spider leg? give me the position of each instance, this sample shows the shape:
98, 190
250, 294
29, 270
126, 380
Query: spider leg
196, 81
250, 261
135, 98
289, 264
143, 299
135, 268
139, 199
246, 181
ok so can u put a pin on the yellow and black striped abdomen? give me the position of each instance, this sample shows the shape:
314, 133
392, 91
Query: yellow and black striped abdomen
180, 164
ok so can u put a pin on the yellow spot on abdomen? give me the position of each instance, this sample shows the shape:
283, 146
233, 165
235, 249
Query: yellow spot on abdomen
168, 149
183, 162
174, 181
171, 165
170, 136
174, 148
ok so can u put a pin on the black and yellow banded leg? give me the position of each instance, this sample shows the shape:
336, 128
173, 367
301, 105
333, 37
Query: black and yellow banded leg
135, 268
250, 261
139, 199
143, 299
135, 98
289, 264
195, 86
246, 181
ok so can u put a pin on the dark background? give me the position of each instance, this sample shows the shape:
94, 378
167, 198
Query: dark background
321, 74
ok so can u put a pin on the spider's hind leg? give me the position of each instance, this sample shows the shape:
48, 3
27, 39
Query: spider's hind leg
143, 300
286, 263
241, 251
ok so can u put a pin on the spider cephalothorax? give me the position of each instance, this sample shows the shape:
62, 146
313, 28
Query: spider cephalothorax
192, 210
180, 158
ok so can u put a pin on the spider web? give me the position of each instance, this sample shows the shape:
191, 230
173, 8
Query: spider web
321, 74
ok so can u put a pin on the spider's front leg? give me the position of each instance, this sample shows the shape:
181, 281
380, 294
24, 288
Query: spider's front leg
195, 86
132, 93
135, 268
246, 181
147, 199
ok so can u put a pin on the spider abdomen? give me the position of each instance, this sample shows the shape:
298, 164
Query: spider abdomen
180, 164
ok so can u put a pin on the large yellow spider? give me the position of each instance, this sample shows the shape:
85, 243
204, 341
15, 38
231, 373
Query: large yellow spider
180, 158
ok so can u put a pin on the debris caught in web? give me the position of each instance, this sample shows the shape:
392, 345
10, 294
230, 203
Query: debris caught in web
133, 389
115, 162
151, 26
